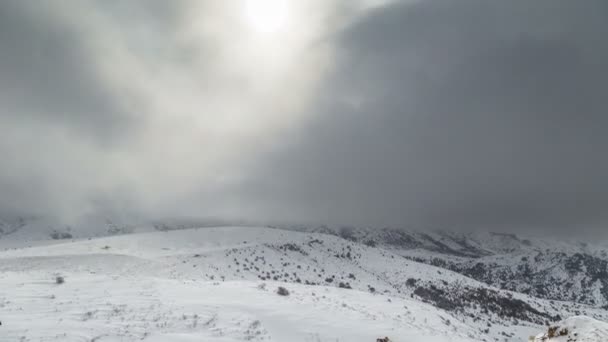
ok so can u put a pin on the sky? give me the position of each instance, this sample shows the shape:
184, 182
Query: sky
426, 114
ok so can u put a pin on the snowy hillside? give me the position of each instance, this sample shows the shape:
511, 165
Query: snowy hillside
543, 268
186, 286
220, 283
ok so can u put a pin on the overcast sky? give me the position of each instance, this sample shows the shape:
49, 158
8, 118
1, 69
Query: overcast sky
425, 114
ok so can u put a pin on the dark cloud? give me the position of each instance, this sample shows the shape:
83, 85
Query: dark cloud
49, 75
456, 114
63, 115
442, 114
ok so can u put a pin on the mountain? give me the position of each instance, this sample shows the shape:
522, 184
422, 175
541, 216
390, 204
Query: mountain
159, 282
543, 268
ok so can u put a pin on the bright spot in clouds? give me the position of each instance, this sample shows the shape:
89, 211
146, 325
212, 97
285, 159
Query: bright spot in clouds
266, 16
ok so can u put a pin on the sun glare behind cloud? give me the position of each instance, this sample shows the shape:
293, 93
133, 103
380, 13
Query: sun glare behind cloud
266, 16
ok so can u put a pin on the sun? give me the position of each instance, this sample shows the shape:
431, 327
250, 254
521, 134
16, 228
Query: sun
266, 16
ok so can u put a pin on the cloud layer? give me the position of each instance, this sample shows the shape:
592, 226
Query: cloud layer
423, 114
457, 115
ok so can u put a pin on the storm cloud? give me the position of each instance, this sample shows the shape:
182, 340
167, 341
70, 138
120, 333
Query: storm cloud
459, 114
421, 114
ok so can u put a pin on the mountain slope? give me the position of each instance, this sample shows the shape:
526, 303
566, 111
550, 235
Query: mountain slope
381, 289
543, 268
166, 287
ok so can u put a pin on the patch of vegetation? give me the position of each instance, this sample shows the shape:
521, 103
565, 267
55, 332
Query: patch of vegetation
487, 300
292, 248
555, 332
344, 285
370, 243
57, 235
585, 272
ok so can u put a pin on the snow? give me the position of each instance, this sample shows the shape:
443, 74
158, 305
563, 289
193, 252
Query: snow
219, 284
115, 309
576, 329
136, 290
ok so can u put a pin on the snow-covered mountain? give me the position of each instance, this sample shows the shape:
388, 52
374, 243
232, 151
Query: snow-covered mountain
159, 282
543, 268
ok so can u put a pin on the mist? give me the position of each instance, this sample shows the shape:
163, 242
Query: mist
419, 114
